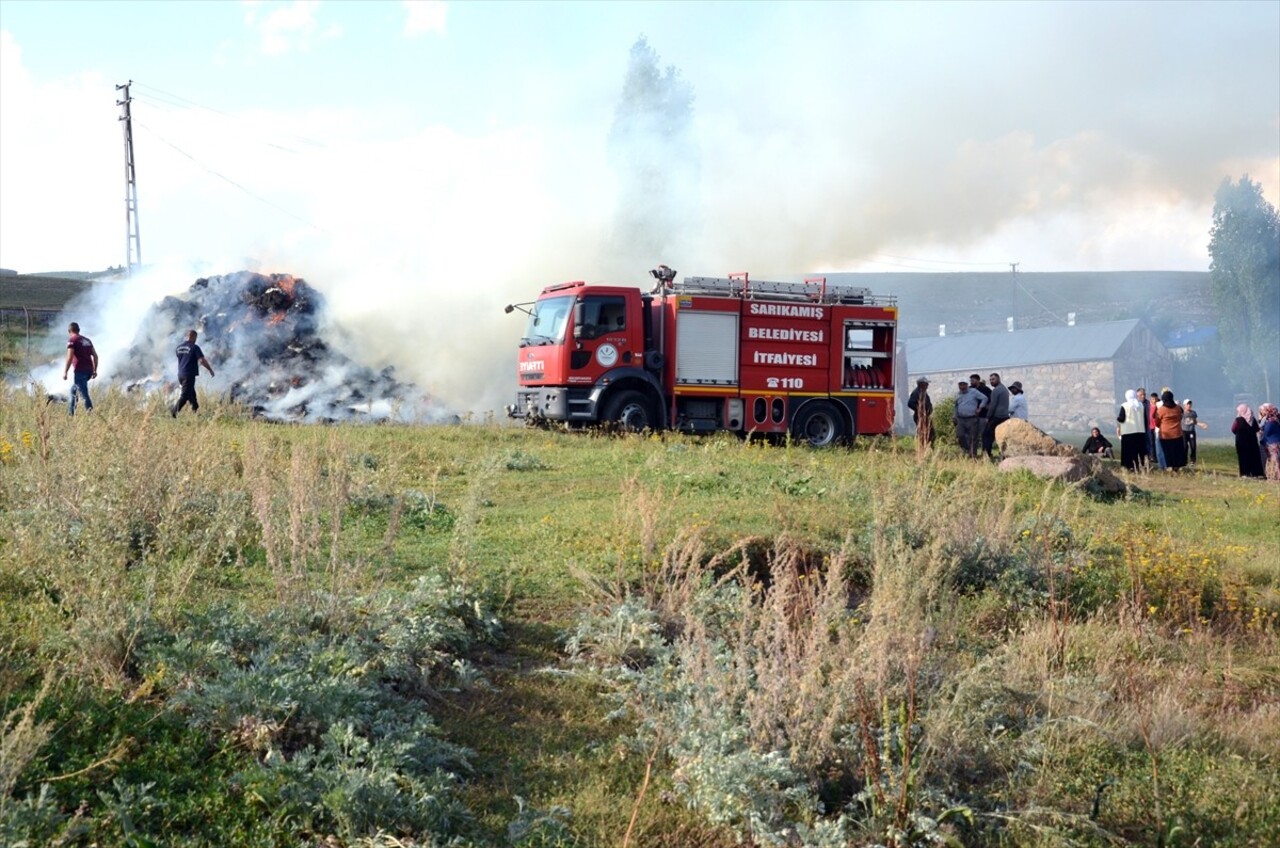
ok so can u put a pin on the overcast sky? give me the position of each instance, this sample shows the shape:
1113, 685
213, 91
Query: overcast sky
433, 151
1066, 136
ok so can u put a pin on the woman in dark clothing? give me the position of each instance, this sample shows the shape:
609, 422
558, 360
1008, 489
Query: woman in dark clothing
1168, 417
1247, 454
1097, 444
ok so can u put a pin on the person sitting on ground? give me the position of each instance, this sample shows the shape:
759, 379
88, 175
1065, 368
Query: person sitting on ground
1097, 445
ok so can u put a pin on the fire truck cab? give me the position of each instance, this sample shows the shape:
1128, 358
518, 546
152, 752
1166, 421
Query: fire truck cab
702, 354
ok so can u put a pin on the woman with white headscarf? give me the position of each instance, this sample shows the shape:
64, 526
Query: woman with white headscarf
1132, 431
1247, 454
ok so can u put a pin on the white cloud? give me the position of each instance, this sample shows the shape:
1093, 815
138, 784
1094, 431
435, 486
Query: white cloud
425, 16
287, 28
61, 158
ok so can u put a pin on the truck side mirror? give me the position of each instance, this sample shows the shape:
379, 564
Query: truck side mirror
579, 316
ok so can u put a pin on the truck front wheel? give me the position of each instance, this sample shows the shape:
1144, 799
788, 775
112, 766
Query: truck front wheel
631, 411
819, 425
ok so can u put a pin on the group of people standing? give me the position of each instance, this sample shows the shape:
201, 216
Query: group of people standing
1162, 431
1157, 430
83, 358
980, 408
1258, 441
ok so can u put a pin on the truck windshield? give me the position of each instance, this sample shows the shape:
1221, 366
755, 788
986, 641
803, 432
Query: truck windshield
547, 321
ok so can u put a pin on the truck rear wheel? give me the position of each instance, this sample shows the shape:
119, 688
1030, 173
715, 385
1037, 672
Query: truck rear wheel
631, 411
819, 425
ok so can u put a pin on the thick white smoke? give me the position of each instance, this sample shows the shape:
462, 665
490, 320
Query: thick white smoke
110, 314
826, 135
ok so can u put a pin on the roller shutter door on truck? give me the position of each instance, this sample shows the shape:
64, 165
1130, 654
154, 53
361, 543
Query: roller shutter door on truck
707, 349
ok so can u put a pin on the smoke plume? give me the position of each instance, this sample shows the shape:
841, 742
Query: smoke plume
272, 346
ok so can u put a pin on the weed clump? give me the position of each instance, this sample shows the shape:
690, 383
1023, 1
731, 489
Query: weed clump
326, 703
519, 460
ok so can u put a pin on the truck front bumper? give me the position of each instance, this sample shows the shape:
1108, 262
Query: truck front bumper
555, 403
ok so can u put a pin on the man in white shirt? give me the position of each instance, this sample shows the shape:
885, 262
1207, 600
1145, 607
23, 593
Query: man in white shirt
1017, 401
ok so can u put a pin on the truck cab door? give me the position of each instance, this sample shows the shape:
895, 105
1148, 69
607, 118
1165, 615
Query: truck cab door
606, 335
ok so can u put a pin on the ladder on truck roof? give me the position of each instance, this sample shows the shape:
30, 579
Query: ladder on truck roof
812, 290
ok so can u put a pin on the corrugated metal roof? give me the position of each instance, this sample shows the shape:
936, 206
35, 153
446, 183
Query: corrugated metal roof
1038, 346
1193, 337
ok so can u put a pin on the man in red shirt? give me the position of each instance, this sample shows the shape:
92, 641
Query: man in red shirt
84, 359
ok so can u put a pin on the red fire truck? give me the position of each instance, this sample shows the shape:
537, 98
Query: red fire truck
711, 353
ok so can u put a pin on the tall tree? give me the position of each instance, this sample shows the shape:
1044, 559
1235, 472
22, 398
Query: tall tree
1244, 251
655, 155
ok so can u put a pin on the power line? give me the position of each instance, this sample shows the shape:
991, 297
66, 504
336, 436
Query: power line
161, 103
1066, 301
883, 259
227, 179
936, 261
897, 265
237, 134
1037, 300
179, 100
915, 267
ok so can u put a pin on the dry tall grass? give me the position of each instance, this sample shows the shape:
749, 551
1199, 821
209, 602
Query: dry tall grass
881, 676
21, 738
121, 516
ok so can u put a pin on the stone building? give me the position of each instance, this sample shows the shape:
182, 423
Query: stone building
1074, 377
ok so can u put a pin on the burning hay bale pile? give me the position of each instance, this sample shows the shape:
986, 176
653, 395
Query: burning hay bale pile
264, 334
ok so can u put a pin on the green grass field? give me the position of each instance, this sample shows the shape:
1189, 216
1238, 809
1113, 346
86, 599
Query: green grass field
220, 631
40, 291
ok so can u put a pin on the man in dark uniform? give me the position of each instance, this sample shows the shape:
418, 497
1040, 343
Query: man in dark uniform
190, 358
997, 414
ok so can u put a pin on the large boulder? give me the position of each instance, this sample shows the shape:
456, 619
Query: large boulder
1024, 446
1020, 438
1068, 469
1085, 470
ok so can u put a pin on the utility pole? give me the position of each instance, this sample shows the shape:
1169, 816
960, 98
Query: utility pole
1013, 269
132, 238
